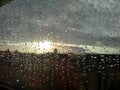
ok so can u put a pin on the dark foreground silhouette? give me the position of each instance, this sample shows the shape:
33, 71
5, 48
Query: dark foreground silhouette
55, 71
3, 2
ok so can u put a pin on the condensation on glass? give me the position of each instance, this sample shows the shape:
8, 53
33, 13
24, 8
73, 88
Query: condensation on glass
60, 44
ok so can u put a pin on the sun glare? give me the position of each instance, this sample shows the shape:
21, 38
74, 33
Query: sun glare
42, 47
45, 45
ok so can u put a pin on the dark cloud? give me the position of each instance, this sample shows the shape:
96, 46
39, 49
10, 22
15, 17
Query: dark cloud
74, 21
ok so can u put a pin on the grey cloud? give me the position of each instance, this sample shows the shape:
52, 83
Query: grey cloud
83, 21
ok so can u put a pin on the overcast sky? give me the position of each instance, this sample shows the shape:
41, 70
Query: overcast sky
80, 22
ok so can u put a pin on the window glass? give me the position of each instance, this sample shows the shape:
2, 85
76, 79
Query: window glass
60, 44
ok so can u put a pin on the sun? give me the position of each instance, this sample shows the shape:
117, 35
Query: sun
40, 47
45, 45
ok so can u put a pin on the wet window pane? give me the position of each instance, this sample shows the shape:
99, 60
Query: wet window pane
60, 44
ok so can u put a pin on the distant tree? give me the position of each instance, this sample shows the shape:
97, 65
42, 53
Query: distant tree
55, 50
16, 51
7, 50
